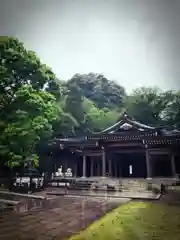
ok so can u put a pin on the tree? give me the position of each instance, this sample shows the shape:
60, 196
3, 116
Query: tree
65, 125
171, 113
31, 117
100, 90
148, 105
26, 108
73, 106
23, 66
98, 119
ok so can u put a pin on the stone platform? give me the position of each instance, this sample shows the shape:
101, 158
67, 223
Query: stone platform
110, 184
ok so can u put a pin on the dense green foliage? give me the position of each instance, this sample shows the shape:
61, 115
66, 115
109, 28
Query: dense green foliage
154, 107
35, 106
26, 110
103, 92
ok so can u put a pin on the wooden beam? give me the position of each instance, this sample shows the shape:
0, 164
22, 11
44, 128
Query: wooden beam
126, 145
141, 150
128, 150
92, 153
159, 151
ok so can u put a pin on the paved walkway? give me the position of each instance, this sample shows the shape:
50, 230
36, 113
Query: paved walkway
57, 218
125, 194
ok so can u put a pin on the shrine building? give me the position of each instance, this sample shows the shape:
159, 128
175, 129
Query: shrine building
128, 149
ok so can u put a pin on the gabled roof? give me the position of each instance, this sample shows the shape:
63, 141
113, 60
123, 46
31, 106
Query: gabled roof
126, 123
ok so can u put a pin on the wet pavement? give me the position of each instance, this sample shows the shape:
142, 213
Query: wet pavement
56, 218
100, 193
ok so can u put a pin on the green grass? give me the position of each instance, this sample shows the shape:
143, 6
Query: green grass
136, 221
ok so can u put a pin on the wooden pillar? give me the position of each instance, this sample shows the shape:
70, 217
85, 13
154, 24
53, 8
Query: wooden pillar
55, 168
148, 164
103, 163
84, 166
98, 168
120, 168
115, 167
92, 166
173, 167
110, 167
75, 169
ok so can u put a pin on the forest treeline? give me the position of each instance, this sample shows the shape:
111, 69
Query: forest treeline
36, 106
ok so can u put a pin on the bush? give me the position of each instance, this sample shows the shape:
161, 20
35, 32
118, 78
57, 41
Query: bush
149, 187
154, 188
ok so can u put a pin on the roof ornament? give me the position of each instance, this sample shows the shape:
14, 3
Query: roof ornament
126, 126
125, 114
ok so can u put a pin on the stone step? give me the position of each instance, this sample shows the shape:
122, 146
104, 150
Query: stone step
9, 202
5, 193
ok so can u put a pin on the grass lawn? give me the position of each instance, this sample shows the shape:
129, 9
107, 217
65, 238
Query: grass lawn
136, 221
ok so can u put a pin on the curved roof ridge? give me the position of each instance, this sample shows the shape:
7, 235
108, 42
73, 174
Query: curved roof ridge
112, 127
140, 124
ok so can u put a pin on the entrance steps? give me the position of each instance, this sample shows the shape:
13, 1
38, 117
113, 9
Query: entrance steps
110, 184
134, 185
105, 183
85, 185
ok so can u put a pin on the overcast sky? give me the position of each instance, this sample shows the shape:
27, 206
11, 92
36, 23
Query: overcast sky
134, 42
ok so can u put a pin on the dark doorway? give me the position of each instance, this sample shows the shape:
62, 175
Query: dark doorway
177, 164
79, 172
161, 166
131, 165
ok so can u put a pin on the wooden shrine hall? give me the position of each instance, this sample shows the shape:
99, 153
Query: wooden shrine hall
126, 149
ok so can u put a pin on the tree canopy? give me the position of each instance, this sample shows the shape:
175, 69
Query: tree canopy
96, 87
154, 107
